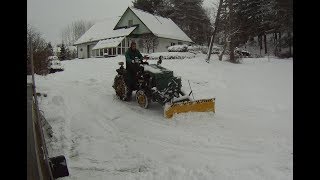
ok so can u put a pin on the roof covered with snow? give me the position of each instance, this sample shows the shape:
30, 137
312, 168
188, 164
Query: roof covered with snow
103, 30
108, 43
160, 26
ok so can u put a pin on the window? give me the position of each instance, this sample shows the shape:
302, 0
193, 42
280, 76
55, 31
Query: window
114, 51
130, 22
123, 43
123, 50
101, 52
172, 44
180, 43
97, 52
119, 51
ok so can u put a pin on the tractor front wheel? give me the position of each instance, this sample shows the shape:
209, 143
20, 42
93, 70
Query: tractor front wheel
142, 99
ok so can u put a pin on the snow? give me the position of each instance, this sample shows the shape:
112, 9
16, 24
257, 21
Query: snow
178, 48
249, 137
104, 30
108, 43
151, 69
29, 79
181, 98
160, 26
171, 55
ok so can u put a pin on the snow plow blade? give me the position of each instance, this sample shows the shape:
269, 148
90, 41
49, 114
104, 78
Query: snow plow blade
203, 105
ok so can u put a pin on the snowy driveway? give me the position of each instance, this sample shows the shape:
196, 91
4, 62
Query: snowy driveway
250, 136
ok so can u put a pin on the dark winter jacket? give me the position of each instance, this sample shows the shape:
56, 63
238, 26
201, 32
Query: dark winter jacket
132, 68
131, 55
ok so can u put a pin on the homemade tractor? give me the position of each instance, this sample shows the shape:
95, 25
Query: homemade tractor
158, 84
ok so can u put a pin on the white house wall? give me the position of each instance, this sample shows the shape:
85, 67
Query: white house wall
84, 53
82, 49
129, 15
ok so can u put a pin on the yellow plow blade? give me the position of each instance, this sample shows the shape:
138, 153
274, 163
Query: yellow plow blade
203, 105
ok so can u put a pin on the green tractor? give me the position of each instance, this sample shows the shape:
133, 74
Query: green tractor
154, 83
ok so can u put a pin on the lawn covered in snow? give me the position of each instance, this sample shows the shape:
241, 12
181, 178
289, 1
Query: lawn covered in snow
249, 137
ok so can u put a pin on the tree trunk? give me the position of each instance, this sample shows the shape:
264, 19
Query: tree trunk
216, 23
260, 42
265, 44
279, 41
231, 45
223, 51
289, 37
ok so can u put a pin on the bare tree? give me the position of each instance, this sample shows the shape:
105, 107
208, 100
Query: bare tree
149, 41
71, 33
41, 51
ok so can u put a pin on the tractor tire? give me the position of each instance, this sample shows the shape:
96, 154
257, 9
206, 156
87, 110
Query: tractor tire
121, 88
142, 99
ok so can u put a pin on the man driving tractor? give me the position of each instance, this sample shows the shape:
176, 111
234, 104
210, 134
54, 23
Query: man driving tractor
132, 67
154, 83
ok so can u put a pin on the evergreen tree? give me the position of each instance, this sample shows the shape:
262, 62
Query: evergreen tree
63, 52
157, 7
189, 15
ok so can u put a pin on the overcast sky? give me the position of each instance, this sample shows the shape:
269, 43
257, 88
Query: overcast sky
51, 16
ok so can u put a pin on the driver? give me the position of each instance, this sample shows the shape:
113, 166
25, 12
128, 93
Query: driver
132, 67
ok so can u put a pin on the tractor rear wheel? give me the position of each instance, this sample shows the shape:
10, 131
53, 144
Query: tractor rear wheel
121, 87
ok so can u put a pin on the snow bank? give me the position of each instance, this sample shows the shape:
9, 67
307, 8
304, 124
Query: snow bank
171, 55
178, 48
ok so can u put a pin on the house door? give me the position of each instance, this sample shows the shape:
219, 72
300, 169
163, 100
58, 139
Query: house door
88, 51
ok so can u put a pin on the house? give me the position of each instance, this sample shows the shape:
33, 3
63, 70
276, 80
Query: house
113, 35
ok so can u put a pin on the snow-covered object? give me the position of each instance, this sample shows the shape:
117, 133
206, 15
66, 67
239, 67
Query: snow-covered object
171, 55
151, 69
56, 65
178, 48
104, 30
185, 97
50, 58
197, 49
108, 43
249, 138
160, 26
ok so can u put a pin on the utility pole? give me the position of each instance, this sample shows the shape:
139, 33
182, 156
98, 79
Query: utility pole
216, 23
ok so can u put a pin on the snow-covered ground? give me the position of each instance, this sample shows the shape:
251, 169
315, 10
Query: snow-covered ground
249, 137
